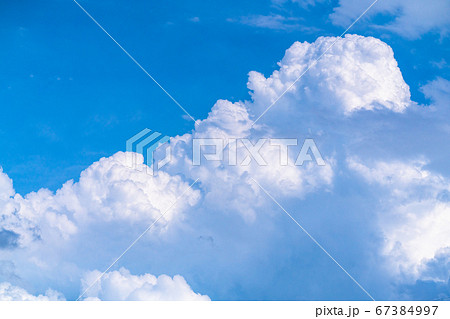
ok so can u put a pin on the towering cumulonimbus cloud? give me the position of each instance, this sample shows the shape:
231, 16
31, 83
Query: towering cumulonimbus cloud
345, 77
340, 77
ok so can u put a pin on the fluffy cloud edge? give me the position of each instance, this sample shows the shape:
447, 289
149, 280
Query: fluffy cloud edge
121, 285
8, 292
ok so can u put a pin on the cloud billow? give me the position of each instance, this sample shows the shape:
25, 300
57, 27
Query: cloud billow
353, 102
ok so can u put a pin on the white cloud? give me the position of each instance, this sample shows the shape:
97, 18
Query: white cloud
356, 73
230, 187
6, 186
411, 18
116, 189
402, 178
122, 285
9, 292
416, 213
303, 3
438, 91
111, 189
271, 21
418, 235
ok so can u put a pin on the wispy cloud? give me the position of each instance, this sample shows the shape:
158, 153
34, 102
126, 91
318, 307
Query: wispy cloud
271, 21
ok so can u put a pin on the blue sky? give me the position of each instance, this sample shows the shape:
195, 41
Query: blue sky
69, 96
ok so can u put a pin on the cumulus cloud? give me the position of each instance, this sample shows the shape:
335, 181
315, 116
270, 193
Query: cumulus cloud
356, 73
122, 285
9, 292
116, 188
115, 285
231, 186
112, 189
415, 216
